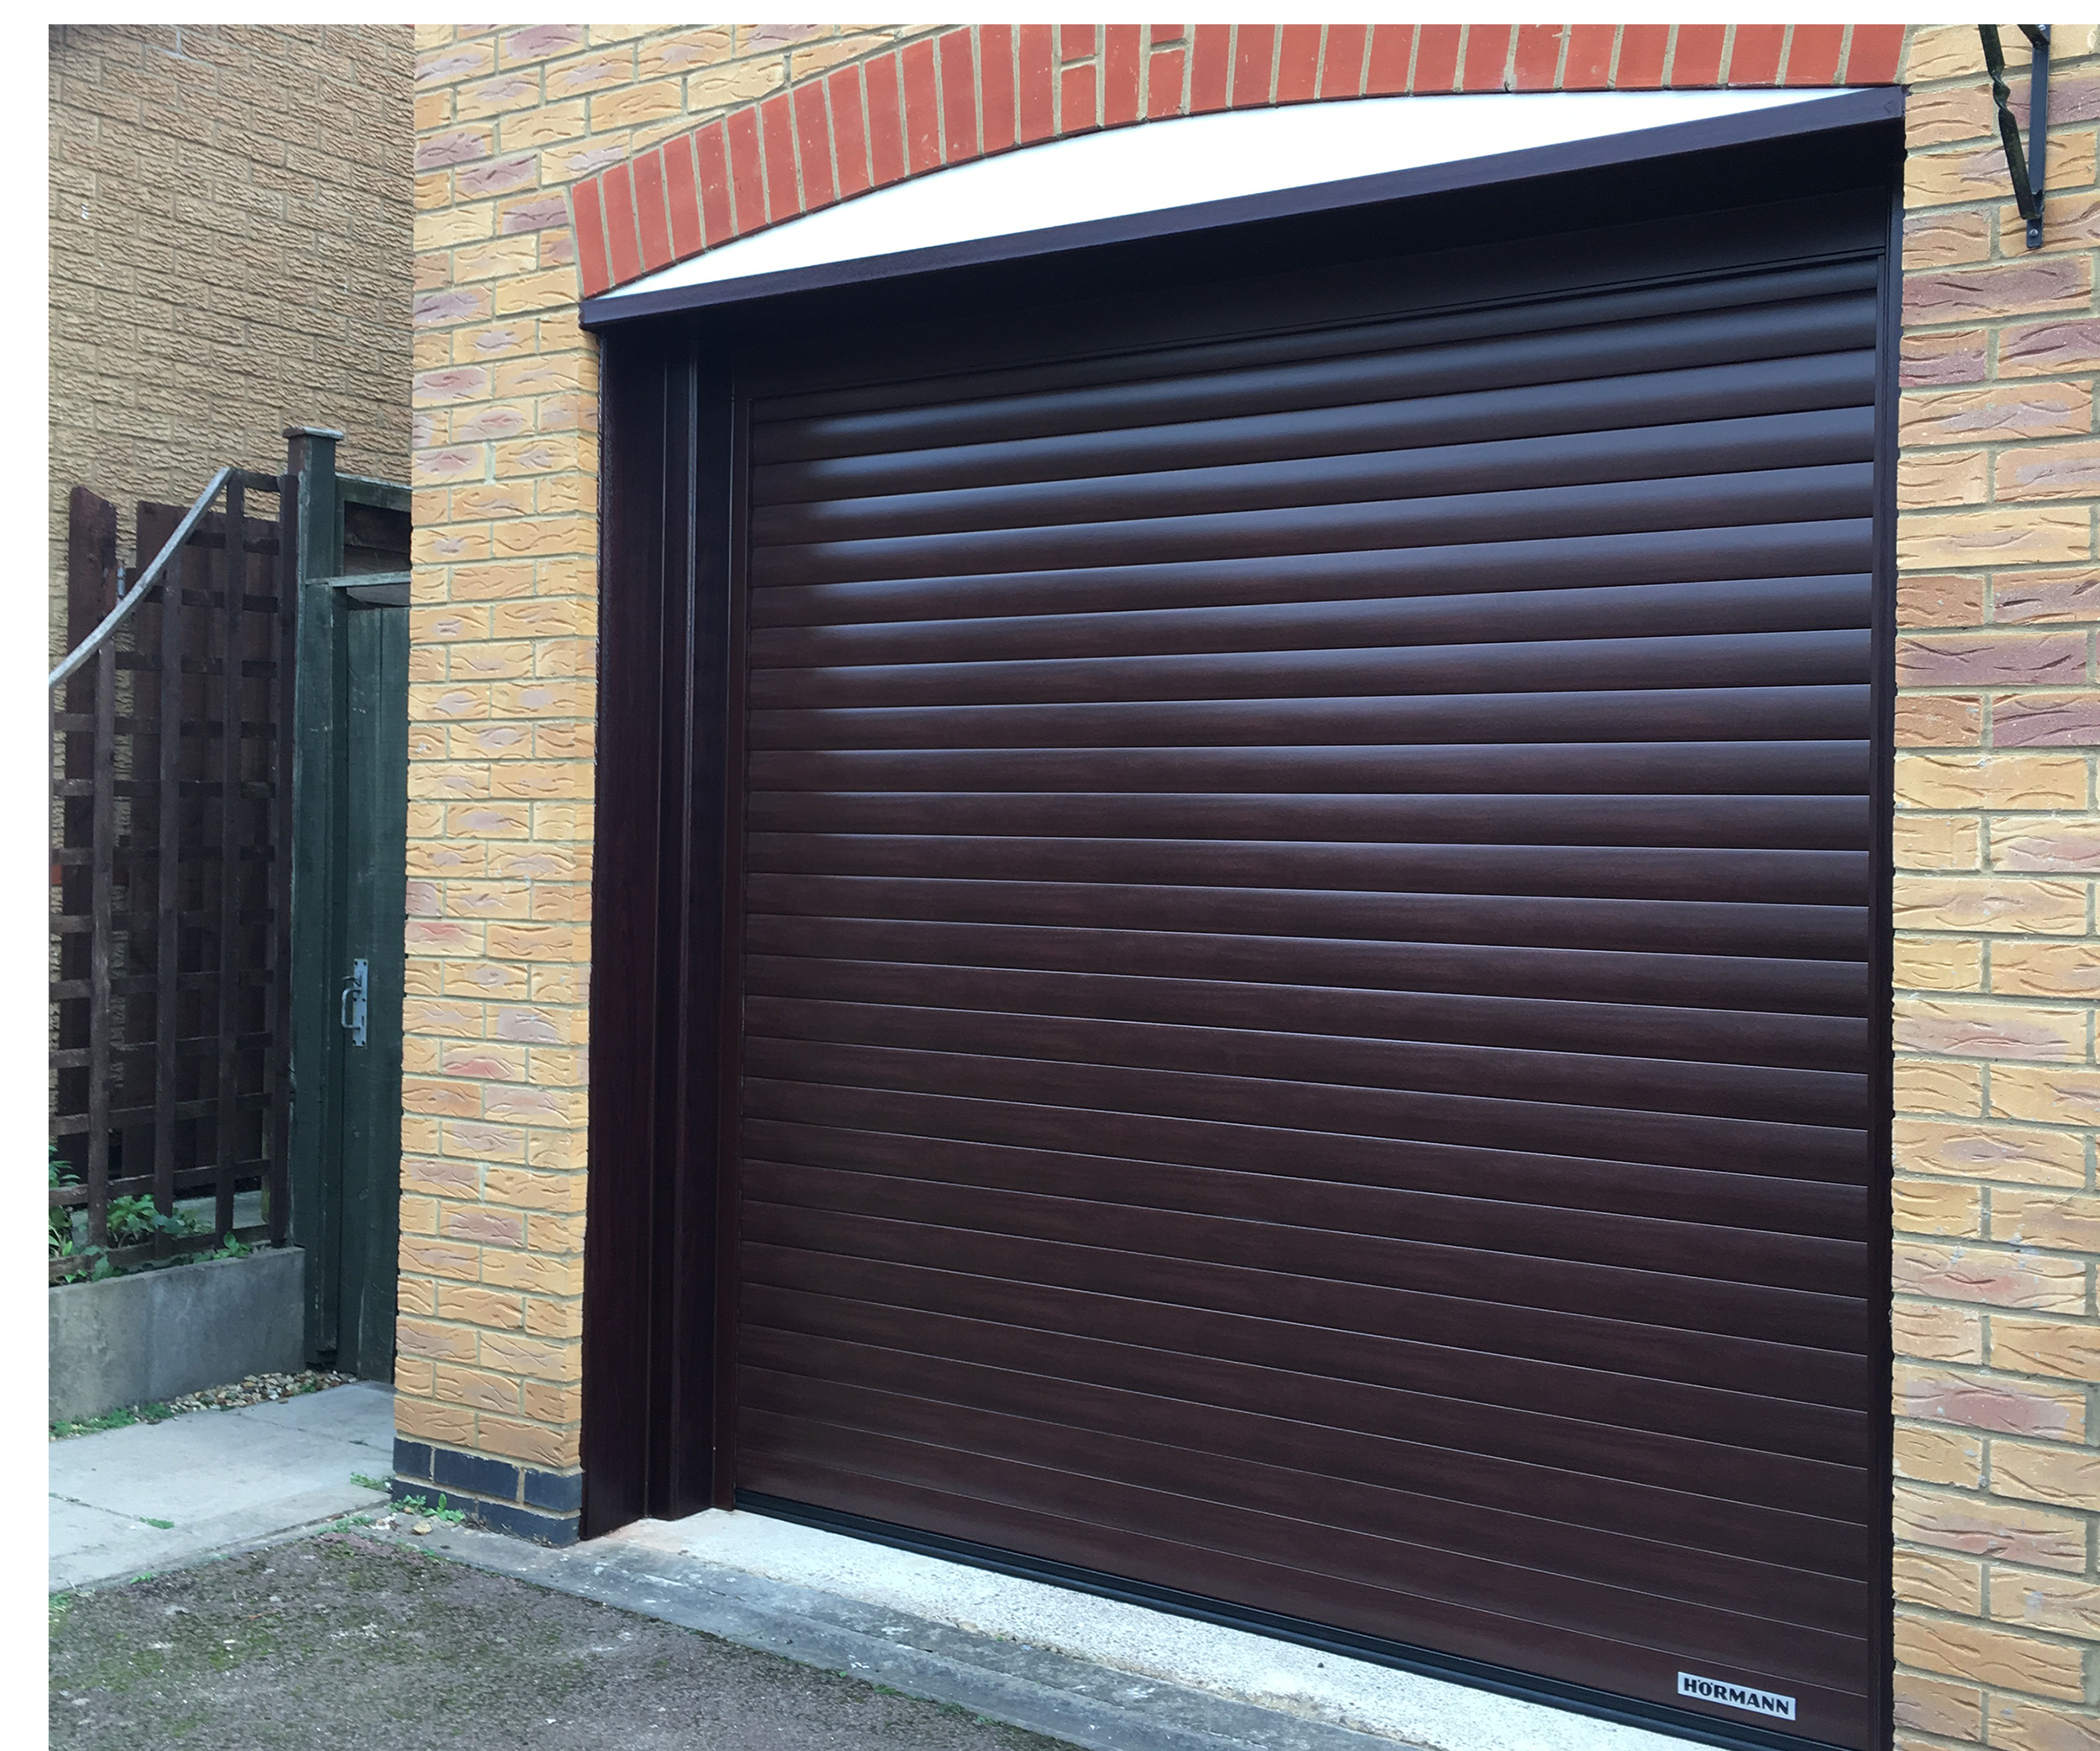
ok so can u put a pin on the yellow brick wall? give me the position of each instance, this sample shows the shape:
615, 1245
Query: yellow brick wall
501, 697
1997, 835
228, 224
1997, 965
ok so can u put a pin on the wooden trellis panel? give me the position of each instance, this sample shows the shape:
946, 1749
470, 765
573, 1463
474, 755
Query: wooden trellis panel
170, 993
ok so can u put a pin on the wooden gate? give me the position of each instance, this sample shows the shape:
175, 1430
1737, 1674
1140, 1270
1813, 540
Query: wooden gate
185, 950
349, 901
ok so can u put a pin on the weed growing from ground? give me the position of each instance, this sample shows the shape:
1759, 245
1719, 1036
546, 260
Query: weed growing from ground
444, 1511
123, 1417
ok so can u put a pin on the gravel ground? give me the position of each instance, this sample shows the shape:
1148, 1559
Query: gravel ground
259, 1389
343, 1643
256, 1389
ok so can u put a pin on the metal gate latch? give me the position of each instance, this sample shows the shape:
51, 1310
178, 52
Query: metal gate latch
354, 989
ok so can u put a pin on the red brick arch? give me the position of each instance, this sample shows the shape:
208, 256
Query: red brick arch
979, 89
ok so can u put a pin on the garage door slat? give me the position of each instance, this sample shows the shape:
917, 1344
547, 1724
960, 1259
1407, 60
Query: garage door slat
1819, 657
1785, 823
1837, 933
1773, 604
1431, 1576
1814, 880
1588, 1336
1714, 440
1254, 1464
1716, 1035
1436, 1307
1370, 1207
1508, 1277
1752, 714
1815, 658
1570, 341
1354, 1552
1783, 1148
1770, 1205
1818, 1097
1709, 1197
1776, 769
1836, 379
1587, 1370
1787, 547
1784, 1460
1787, 1148
1129, 1438
1305, 963
1309, 376
1791, 880
1777, 494
1263, 1380
1811, 993
1527, 1260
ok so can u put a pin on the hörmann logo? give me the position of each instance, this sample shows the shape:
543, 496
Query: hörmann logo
1734, 1695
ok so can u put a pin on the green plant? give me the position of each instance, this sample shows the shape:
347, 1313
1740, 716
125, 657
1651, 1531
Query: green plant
121, 1418
444, 1511
90, 1262
58, 1231
148, 1519
133, 1221
60, 1227
362, 1482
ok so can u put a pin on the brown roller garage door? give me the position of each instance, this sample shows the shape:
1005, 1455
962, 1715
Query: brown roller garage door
1305, 971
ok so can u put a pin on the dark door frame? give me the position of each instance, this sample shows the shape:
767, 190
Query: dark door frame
658, 1411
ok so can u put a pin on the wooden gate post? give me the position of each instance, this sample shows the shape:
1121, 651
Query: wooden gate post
312, 514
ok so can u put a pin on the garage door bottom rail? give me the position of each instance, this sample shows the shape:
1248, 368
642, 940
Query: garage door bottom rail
1528, 1687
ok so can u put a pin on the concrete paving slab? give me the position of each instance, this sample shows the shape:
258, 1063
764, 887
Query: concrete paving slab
173, 1472
362, 1411
74, 1526
220, 1480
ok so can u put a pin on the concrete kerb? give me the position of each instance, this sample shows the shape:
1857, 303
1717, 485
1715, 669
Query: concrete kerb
1072, 1700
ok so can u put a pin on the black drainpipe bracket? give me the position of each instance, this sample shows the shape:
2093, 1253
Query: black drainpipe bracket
2028, 190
